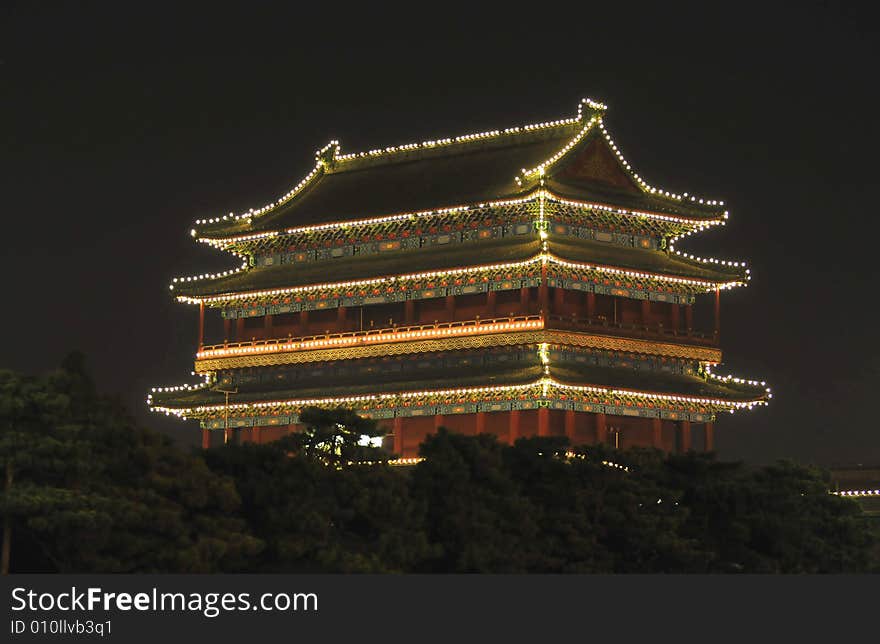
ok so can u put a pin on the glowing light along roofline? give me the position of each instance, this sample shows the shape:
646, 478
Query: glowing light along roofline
541, 257
541, 169
333, 148
702, 223
544, 381
426, 334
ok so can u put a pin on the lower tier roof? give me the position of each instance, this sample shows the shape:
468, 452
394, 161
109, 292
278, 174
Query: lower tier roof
383, 381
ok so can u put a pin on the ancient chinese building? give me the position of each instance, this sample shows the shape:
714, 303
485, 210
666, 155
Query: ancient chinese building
518, 282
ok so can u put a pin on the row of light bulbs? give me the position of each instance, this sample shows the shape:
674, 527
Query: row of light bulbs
290, 194
208, 379
329, 154
541, 195
543, 257
226, 242
707, 367
546, 383
645, 186
211, 276
375, 338
704, 260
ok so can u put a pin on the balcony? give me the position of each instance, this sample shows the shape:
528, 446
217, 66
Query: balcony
477, 326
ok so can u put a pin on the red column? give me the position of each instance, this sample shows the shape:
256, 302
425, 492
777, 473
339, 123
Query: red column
646, 312
689, 318
544, 293
543, 421
591, 304
709, 428
559, 300
239, 329
409, 311
267, 326
481, 422
676, 310
717, 314
657, 432
684, 434
303, 322
601, 429
450, 307
397, 430
206, 438
524, 298
513, 426
569, 425
342, 319
491, 299
438, 421
201, 325
227, 330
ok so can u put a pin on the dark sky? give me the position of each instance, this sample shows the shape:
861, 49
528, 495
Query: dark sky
122, 126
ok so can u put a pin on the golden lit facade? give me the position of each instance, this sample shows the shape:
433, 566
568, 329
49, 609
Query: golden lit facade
517, 282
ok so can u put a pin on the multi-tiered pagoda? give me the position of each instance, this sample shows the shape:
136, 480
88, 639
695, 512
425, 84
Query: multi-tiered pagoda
517, 282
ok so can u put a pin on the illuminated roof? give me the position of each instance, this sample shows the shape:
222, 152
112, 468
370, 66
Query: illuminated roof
462, 255
378, 376
575, 156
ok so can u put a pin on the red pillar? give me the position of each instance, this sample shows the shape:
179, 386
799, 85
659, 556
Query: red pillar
267, 326
709, 428
438, 421
409, 311
717, 314
676, 310
481, 422
524, 298
450, 307
689, 318
657, 432
646, 312
206, 438
591, 304
303, 322
201, 325
558, 300
601, 429
397, 430
543, 421
491, 299
342, 319
684, 435
239, 330
544, 293
227, 330
513, 426
569, 425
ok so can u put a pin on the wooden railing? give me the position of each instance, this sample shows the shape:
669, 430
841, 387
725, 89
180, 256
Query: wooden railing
601, 324
385, 334
395, 333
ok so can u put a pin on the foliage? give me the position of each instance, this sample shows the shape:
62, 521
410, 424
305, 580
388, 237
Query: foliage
336, 437
95, 493
89, 491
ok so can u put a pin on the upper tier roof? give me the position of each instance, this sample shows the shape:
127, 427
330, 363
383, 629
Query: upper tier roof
494, 251
574, 157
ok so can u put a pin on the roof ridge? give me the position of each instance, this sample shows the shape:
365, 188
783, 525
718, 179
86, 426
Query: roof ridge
450, 146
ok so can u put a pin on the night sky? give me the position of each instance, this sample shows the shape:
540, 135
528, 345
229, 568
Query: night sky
120, 128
